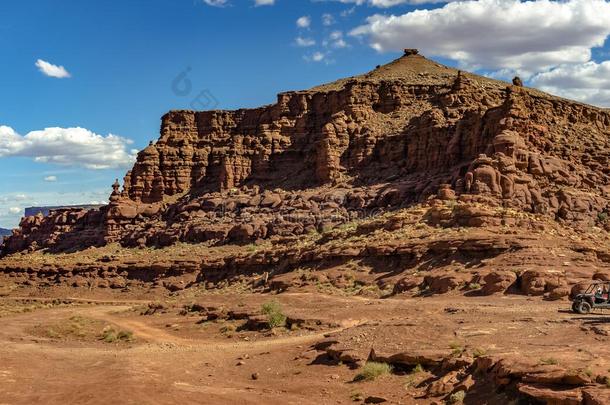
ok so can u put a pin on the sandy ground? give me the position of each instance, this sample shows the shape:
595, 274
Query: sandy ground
176, 358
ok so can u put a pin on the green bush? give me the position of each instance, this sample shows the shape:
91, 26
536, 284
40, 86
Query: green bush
372, 370
275, 316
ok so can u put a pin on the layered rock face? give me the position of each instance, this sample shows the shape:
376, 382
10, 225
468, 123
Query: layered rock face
398, 135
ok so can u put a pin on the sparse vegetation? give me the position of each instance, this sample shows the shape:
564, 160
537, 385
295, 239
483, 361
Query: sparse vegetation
457, 348
74, 328
414, 376
228, 330
417, 369
473, 286
478, 352
457, 397
549, 361
373, 370
111, 335
356, 396
275, 317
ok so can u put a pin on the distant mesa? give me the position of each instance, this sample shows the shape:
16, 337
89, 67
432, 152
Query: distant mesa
5, 232
45, 211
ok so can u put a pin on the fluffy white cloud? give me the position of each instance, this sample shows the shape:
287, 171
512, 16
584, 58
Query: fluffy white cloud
390, 3
588, 82
304, 22
523, 37
50, 179
264, 2
51, 70
69, 147
305, 42
14, 210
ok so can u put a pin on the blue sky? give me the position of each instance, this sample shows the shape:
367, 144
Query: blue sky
124, 60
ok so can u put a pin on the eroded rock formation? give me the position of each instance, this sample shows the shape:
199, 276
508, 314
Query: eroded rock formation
398, 135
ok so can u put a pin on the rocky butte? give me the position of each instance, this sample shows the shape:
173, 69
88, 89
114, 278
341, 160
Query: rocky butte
473, 153
414, 179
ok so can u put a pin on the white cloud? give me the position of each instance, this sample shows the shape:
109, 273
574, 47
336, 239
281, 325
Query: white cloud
68, 147
52, 70
316, 57
328, 19
305, 42
335, 40
390, 3
304, 22
588, 82
50, 179
523, 37
264, 2
216, 3
14, 210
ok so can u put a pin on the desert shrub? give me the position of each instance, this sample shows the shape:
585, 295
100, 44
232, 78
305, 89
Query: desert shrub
457, 348
125, 335
111, 335
417, 369
372, 370
478, 352
457, 397
549, 361
275, 316
414, 376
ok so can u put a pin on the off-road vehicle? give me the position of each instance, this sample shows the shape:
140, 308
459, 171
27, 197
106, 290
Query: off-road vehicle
595, 296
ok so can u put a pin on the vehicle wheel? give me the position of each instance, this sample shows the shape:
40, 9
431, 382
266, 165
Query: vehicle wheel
584, 307
575, 306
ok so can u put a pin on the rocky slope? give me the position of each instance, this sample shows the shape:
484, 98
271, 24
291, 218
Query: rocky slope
493, 163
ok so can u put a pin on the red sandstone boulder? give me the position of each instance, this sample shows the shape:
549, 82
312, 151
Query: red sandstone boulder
498, 282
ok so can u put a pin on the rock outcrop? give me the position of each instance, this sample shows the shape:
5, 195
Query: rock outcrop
403, 133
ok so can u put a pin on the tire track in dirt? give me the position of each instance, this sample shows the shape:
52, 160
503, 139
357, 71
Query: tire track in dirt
159, 336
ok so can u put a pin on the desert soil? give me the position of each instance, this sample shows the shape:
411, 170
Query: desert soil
52, 352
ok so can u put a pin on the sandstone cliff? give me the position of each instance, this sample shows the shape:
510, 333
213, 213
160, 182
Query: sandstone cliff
350, 149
